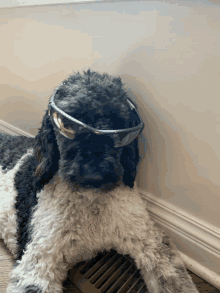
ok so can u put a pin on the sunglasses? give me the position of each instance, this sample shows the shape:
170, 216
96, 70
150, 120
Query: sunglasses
121, 137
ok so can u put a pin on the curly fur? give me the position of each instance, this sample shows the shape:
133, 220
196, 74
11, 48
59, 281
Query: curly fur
64, 200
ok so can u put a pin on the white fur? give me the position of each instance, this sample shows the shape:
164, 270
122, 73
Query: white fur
7, 201
70, 224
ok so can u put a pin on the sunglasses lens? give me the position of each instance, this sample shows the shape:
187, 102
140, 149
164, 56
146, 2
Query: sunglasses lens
67, 131
126, 138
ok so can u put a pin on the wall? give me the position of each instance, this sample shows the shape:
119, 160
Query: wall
168, 55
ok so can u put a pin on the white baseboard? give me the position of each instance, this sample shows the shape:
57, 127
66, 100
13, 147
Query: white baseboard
197, 240
201, 271
8, 128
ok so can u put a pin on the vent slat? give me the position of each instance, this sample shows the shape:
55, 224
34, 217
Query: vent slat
94, 268
114, 286
92, 262
135, 283
129, 280
107, 273
142, 286
122, 277
116, 267
102, 269
138, 287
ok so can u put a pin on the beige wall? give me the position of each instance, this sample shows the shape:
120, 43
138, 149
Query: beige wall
168, 55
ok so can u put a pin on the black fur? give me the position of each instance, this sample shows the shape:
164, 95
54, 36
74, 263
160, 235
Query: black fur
27, 183
129, 160
11, 149
32, 289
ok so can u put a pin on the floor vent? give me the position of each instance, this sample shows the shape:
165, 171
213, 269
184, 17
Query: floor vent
108, 272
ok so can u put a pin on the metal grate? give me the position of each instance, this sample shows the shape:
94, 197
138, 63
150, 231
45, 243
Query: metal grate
108, 272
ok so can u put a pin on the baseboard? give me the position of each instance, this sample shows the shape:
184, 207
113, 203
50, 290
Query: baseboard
197, 240
201, 271
8, 128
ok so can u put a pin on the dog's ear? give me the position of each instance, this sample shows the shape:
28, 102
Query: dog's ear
129, 160
46, 150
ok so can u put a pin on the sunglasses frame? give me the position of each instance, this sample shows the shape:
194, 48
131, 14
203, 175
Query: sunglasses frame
95, 130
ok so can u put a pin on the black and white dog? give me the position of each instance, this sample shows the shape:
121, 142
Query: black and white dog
69, 192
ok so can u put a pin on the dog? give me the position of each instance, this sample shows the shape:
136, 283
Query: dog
70, 192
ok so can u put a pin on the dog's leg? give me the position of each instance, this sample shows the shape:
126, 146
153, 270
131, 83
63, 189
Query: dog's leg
159, 262
42, 267
8, 217
8, 195
40, 270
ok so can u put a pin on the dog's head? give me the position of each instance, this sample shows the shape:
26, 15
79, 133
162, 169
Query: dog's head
87, 158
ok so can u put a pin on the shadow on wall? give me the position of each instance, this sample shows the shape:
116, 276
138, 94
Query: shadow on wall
25, 108
20, 108
169, 170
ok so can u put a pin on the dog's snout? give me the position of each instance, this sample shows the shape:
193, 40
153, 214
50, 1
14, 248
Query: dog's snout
96, 165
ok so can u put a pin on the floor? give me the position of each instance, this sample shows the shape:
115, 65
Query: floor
202, 285
6, 263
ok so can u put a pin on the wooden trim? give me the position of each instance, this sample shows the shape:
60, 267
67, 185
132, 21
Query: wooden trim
30, 3
10, 129
201, 271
